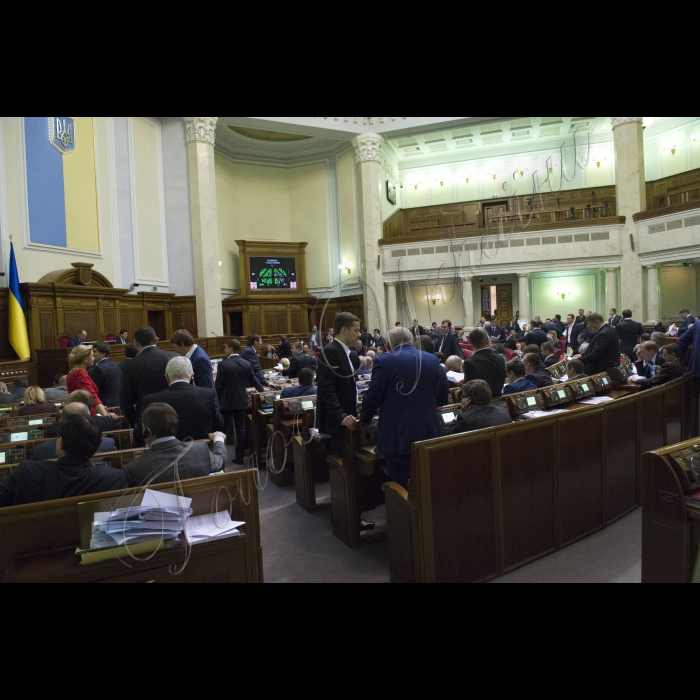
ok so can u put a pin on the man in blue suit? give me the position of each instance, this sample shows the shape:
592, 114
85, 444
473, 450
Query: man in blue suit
692, 337
405, 391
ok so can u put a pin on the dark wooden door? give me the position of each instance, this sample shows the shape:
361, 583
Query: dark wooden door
156, 320
504, 296
486, 310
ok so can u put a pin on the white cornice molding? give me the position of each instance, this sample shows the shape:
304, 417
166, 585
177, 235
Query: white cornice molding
201, 129
619, 121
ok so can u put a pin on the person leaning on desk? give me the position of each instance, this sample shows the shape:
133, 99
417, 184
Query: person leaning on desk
603, 353
477, 411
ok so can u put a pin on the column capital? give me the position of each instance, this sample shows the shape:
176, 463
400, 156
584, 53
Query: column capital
468, 279
368, 148
523, 275
654, 266
200, 129
619, 121
611, 269
391, 284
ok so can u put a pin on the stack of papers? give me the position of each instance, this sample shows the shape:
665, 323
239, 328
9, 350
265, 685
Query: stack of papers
455, 377
597, 400
207, 528
542, 414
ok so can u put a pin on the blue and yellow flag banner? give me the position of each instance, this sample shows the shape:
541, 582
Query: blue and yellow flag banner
19, 336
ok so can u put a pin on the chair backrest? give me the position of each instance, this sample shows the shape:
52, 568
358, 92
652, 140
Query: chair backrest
63, 341
509, 354
110, 337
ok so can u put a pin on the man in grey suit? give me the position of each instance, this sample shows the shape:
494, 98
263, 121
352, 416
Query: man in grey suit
168, 459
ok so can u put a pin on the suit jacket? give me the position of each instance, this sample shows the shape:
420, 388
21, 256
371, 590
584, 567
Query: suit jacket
614, 321
366, 339
575, 332
688, 322
551, 361
644, 371
479, 418
519, 386
298, 362
6, 399
284, 351
108, 379
449, 346
489, 366
540, 378
37, 482
47, 450
669, 372
405, 391
233, 380
417, 331
337, 392
75, 342
249, 355
537, 337
57, 393
194, 461
317, 337
629, 332
510, 327
201, 364
511, 344
121, 341
195, 407
603, 352
297, 392
143, 376
377, 342
106, 425
582, 321
497, 332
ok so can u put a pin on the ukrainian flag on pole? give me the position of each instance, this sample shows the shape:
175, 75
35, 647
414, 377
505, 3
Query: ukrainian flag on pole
19, 336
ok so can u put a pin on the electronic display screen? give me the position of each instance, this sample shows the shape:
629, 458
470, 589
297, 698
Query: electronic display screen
448, 417
606, 381
306, 405
6, 410
586, 387
278, 396
562, 394
3, 457
37, 422
19, 437
532, 401
273, 273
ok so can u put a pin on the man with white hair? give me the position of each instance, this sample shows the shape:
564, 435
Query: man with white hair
407, 386
195, 406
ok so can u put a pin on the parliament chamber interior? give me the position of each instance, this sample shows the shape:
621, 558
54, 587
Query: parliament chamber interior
349, 350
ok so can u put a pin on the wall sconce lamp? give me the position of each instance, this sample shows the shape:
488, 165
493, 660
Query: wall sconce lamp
343, 266
435, 298
563, 295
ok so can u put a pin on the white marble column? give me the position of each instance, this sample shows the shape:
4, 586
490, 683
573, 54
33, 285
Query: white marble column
524, 293
468, 302
611, 292
391, 310
653, 302
368, 149
201, 134
631, 199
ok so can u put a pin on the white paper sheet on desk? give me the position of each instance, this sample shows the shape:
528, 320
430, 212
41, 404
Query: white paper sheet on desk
158, 499
279, 368
597, 400
541, 414
455, 377
206, 528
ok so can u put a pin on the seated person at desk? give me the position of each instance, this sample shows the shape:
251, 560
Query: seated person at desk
547, 352
583, 343
646, 367
455, 371
366, 367
35, 403
49, 450
73, 475
307, 386
6, 397
78, 340
516, 377
535, 374
485, 364
59, 390
85, 398
168, 460
574, 371
670, 370
477, 411
512, 342
298, 362
20, 388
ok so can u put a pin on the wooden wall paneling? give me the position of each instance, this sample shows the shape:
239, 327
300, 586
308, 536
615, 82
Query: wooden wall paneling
581, 472
528, 493
652, 432
77, 320
47, 329
623, 457
673, 413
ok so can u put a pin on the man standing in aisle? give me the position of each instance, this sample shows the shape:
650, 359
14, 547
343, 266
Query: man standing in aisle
603, 352
571, 334
449, 343
614, 318
250, 354
405, 391
201, 364
630, 333
337, 390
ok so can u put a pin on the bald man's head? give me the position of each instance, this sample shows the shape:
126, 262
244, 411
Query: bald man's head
82, 397
3, 388
73, 409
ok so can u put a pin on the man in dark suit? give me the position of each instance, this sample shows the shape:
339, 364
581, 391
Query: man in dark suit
575, 370
417, 330
688, 321
168, 460
284, 351
614, 318
571, 333
106, 375
646, 366
671, 369
196, 407
485, 364
691, 337
337, 391
537, 336
123, 338
141, 377
78, 340
234, 378
603, 352
49, 450
250, 355
449, 342
366, 339
378, 341
495, 332
306, 386
535, 373
582, 319
630, 333
315, 339
477, 411
299, 362
201, 362
436, 334
73, 474
406, 386
548, 356
83, 397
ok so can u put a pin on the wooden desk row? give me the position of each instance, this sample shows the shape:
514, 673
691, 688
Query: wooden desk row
483, 504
